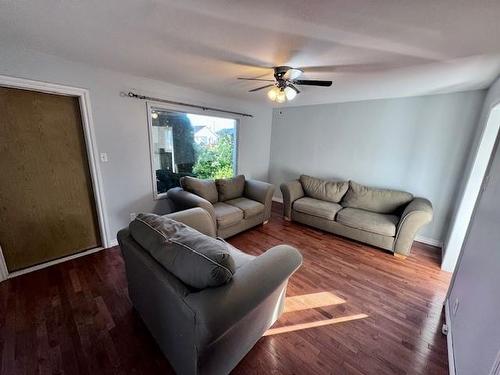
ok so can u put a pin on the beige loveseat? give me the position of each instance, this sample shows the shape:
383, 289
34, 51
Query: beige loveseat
385, 218
234, 204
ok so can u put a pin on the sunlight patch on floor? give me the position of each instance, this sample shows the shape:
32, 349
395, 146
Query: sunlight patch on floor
319, 323
311, 301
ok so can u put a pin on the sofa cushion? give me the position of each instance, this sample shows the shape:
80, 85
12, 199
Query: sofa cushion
331, 191
248, 206
198, 260
227, 215
203, 188
368, 221
383, 201
317, 207
230, 188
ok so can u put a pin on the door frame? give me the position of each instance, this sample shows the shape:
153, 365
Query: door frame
83, 96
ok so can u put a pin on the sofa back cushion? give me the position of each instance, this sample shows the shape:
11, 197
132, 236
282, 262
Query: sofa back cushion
203, 188
330, 191
230, 188
384, 201
199, 261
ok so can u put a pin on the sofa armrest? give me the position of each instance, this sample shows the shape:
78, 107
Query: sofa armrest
261, 192
416, 214
184, 200
291, 191
258, 282
196, 218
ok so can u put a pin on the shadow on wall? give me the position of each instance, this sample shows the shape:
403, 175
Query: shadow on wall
144, 205
468, 192
444, 161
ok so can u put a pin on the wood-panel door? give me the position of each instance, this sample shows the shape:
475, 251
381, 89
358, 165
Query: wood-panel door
47, 207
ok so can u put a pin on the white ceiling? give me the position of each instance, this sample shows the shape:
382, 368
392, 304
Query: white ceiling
370, 49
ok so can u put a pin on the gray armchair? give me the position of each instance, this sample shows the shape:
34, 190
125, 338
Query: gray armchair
208, 331
234, 205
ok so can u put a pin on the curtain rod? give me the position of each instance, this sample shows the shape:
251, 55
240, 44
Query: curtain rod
144, 97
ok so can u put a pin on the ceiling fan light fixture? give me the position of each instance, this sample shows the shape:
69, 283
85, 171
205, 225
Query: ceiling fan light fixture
281, 97
290, 93
273, 93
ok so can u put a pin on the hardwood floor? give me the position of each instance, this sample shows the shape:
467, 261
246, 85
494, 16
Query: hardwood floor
352, 310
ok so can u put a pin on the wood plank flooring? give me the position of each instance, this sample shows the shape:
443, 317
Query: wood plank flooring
353, 309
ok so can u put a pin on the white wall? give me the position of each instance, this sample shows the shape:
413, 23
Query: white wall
475, 327
479, 156
121, 126
415, 144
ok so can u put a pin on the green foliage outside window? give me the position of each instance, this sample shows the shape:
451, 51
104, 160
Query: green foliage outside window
215, 161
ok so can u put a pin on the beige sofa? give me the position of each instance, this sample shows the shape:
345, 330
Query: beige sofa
234, 204
384, 218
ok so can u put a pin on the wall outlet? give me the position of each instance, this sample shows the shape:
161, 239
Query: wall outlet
132, 216
104, 157
455, 306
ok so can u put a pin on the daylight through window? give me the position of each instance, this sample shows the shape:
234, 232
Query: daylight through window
185, 144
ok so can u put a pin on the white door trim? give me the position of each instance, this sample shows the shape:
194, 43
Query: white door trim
449, 339
83, 96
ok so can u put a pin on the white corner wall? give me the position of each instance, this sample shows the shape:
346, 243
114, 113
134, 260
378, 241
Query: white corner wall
474, 297
479, 156
417, 144
121, 127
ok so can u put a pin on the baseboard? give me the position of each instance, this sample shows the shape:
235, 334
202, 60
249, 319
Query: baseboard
429, 241
278, 199
449, 338
53, 262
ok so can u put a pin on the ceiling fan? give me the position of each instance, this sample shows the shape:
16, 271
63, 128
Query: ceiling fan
285, 82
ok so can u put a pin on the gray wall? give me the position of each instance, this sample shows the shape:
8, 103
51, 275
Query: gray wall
480, 153
415, 144
121, 127
475, 326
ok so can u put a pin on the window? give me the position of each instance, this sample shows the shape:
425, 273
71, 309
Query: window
187, 144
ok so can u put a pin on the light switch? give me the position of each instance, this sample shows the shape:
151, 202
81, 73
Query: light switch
104, 157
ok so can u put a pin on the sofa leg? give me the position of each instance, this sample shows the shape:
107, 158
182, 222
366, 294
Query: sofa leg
400, 256
287, 218
265, 222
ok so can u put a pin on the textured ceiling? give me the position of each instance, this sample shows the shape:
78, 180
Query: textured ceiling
370, 49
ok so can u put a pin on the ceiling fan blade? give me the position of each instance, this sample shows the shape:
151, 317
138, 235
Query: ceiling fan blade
292, 74
295, 88
312, 82
256, 79
261, 88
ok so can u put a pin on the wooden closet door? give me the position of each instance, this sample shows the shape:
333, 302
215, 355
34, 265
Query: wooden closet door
47, 208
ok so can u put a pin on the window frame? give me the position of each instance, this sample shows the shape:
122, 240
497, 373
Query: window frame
185, 110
